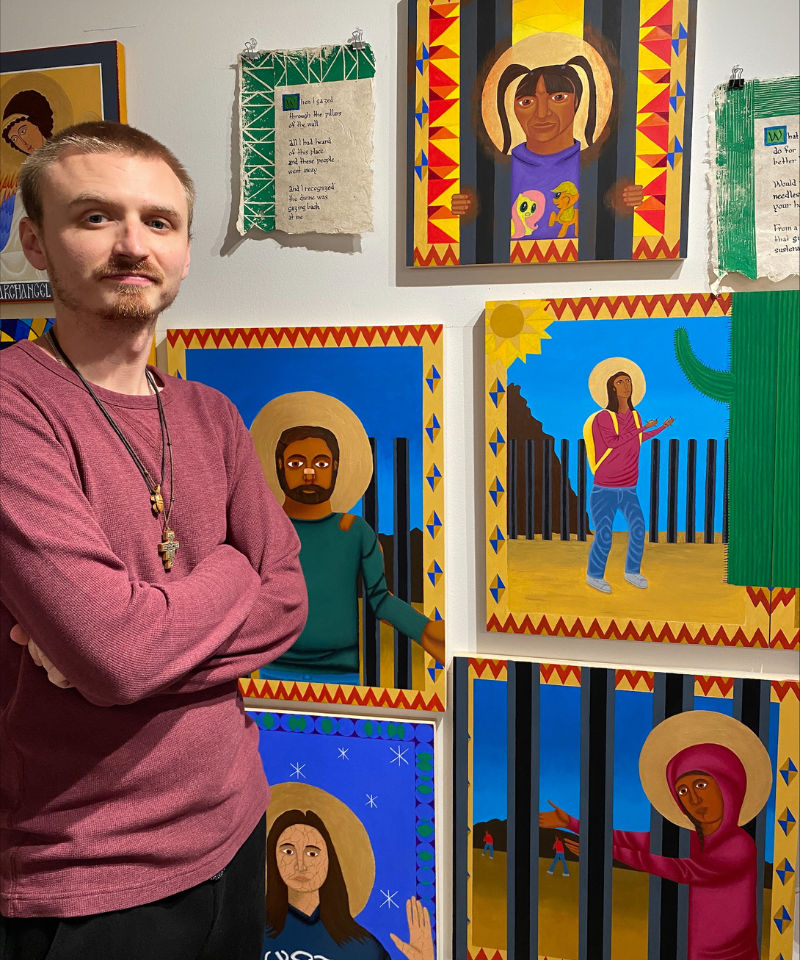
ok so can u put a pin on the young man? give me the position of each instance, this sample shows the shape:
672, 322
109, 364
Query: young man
145, 567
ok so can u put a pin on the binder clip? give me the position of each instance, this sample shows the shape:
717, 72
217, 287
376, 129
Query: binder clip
357, 40
736, 81
250, 52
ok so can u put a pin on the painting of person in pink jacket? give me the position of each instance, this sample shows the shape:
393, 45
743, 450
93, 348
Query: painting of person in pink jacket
614, 437
710, 774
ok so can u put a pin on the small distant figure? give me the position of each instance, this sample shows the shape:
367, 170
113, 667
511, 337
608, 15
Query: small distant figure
526, 213
565, 197
488, 844
558, 846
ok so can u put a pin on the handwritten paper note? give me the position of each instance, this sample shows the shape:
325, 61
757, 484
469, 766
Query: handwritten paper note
323, 157
777, 195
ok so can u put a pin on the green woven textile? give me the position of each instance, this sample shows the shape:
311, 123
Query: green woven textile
258, 78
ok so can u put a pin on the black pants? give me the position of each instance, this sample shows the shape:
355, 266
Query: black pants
220, 919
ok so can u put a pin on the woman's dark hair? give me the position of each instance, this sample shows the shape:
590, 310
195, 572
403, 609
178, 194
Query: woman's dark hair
334, 903
558, 78
613, 399
34, 107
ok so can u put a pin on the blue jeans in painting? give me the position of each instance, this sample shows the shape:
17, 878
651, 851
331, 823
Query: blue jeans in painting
604, 502
559, 856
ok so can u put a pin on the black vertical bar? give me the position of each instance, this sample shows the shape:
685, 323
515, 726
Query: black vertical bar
522, 864
371, 628
711, 491
673, 693
484, 161
461, 828
511, 480
597, 780
582, 531
565, 489
672, 491
725, 494
402, 559
547, 489
751, 706
530, 489
468, 144
503, 19
655, 475
691, 484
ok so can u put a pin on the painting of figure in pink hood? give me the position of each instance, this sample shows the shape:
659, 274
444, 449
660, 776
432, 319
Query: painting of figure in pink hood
710, 774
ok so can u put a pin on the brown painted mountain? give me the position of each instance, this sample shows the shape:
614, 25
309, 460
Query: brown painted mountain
522, 426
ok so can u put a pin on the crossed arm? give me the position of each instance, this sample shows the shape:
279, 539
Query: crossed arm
118, 639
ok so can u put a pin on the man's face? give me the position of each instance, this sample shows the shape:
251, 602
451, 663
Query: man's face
26, 136
308, 470
544, 116
114, 235
302, 857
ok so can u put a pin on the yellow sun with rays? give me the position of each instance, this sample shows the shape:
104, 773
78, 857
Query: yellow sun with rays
515, 330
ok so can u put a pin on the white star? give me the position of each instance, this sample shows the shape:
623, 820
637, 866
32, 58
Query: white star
399, 756
297, 770
371, 801
389, 901
343, 753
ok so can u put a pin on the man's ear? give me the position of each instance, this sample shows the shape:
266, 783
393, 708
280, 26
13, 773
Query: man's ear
31, 243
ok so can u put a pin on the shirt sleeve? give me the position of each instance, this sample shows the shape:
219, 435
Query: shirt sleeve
606, 436
116, 639
260, 530
401, 615
649, 434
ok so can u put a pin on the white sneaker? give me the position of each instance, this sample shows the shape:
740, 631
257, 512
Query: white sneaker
601, 585
637, 580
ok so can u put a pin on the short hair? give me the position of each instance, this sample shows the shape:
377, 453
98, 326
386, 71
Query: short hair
96, 136
294, 434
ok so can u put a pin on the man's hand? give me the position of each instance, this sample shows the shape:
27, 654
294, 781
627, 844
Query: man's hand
554, 819
54, 675
432, 640
633, 195
462, 204
573, 846
650, 423
669, 422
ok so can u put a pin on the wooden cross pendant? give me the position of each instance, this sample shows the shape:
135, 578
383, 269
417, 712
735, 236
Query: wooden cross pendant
157, 500
168, 548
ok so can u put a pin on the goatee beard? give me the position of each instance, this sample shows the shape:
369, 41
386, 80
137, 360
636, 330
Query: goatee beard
310, 494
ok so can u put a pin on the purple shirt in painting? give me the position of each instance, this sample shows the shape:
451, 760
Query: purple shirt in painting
722, 876
543, 173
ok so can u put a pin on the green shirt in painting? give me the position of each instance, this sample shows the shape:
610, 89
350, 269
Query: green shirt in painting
332, 559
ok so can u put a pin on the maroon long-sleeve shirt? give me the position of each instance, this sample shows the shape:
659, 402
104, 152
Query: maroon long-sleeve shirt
145, 778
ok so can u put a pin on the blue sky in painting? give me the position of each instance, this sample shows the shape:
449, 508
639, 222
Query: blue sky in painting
555, 385
369, 769
382, 385
633, 722
489, 751
560, 748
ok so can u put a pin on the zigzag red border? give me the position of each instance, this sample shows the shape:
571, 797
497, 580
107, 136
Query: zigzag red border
435, 258
483, 955
784, 687
334, 694
481, 666
564, 672
550, 255
723, 684
686, 301
629, 632
634, 677
661, 251
305, 336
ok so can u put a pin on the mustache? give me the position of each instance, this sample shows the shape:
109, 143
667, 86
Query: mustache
117, 265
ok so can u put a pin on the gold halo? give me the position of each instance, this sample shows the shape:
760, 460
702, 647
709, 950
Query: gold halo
598, 379
53, 92
316, 410
690, 729
540, 50
348, 833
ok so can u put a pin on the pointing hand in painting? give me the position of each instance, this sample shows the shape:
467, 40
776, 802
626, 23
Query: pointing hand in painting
420, 938
54, 675
554, 819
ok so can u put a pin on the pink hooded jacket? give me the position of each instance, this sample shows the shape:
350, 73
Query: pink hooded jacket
722, 876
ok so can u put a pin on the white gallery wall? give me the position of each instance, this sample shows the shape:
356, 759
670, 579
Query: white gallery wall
181, 87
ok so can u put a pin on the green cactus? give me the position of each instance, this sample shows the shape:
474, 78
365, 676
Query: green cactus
762, 389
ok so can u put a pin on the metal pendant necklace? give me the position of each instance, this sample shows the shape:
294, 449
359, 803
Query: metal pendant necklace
169, 545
